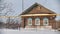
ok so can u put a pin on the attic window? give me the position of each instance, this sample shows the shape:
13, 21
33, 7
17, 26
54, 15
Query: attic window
38, 7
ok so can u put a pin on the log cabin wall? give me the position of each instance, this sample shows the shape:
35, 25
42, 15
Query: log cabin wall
51, 21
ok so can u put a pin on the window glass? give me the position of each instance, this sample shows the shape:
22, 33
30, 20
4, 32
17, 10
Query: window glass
29, 21
37, 21
45, 21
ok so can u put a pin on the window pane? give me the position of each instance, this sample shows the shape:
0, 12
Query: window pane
29, 21
45, 21
37, 21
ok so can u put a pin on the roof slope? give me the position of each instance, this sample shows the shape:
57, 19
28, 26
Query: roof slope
34, 5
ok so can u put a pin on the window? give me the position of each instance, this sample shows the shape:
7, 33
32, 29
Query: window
45, 21
37, 21
29, 21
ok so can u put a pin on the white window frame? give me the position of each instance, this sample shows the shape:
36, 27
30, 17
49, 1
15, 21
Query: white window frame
29, 21
36, 21
44, 22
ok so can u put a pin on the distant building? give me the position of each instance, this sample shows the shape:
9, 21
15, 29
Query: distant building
37, 16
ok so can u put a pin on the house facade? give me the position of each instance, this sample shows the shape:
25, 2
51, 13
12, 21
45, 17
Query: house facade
37, 16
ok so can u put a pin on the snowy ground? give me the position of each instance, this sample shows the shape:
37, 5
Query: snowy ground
28, 31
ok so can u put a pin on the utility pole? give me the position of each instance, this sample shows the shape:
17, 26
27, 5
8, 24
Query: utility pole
22, 5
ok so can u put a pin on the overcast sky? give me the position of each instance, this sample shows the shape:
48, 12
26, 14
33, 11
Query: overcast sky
53, 5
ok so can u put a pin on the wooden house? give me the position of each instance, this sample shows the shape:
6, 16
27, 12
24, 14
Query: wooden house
37, 16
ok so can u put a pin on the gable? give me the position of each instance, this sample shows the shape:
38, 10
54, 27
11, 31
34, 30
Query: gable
37, 9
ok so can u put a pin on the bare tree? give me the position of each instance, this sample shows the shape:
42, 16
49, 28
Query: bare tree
5, 10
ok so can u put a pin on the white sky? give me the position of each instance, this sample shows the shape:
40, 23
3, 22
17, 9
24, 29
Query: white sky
53, 5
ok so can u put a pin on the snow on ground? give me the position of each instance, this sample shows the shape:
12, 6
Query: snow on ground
28, 31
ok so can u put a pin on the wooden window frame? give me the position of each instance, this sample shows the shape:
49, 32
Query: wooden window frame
36, 20
44, 20
29, 21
